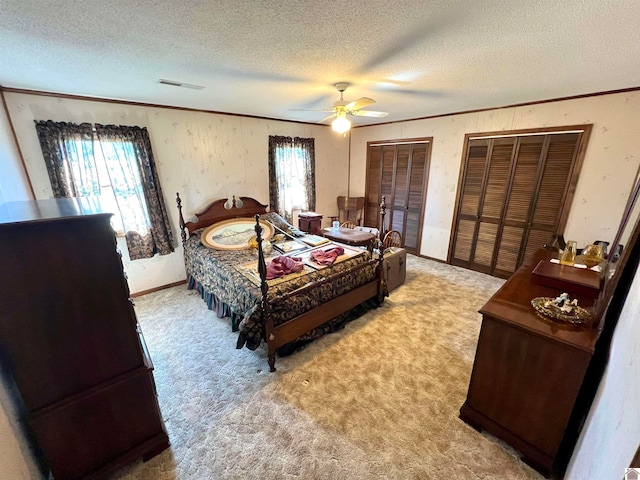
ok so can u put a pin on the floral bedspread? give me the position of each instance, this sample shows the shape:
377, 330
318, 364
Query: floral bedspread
226, 282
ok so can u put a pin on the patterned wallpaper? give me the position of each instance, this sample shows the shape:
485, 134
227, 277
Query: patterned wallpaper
203, 156
610, 163
208, 156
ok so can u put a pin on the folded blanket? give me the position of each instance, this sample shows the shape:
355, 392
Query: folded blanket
328, 256
281, 266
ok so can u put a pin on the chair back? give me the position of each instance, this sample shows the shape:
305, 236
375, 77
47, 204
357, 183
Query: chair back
348, 225
392, 238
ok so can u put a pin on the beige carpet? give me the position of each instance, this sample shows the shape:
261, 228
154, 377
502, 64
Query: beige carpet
377, 400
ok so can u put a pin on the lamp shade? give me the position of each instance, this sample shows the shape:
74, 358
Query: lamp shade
341, 124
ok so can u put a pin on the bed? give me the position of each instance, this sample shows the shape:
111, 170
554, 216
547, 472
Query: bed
282, 312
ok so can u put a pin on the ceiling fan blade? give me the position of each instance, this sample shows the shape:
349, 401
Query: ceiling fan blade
368, 113
360, 103
327, 118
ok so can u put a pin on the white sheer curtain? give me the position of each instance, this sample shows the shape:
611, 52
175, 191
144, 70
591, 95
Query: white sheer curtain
291, 175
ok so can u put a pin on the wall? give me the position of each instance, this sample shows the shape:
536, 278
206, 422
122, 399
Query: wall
203, 156
610, 163
14, 185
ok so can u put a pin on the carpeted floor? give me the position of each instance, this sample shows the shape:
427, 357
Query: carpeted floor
377, 400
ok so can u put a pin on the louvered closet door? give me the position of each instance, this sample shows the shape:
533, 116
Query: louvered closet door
492, 203
397, 204
417, 178
469, 205
515, 227
486, 179
557, 172
399, 172
511, 200
387, 181
372, 205
405, 210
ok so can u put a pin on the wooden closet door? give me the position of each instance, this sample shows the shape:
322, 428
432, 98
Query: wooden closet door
387, 180
512, 198
492, 203
486, 179
372, 199
556, 177
397, 203
514, 231
473, 178
399, 172
417, 179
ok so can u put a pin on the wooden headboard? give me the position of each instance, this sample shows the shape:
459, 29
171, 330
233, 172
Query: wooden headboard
216, 212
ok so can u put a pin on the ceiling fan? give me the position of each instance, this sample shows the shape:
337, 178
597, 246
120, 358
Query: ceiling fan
341, 108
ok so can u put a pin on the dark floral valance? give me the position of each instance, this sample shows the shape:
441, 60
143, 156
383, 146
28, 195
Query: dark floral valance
68, 154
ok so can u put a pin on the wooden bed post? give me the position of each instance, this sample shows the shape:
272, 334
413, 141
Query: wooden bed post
383, 212
382, 282
265, 318
183, 231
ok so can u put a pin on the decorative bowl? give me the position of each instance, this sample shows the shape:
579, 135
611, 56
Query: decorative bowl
545, 306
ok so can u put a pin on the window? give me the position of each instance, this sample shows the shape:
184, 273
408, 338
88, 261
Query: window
116, 163
291, 175
121, 191
136, 212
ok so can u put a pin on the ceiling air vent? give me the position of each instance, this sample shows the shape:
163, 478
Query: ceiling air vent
180, 84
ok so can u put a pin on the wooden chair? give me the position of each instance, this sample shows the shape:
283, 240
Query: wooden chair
348, 225
351, 209
392, 238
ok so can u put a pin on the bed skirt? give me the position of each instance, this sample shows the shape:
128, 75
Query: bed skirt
222, 310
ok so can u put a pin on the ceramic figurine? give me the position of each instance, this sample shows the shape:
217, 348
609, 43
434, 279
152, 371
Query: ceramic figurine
563, 303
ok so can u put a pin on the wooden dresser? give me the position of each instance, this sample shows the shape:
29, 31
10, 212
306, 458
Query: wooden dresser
528, 372
72, 352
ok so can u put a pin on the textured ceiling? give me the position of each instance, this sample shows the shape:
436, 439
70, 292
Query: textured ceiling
264, 58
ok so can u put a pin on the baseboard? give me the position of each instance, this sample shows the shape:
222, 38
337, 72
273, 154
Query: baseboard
156, 289
426, 257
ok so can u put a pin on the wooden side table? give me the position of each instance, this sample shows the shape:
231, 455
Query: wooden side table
310, 222
349, 236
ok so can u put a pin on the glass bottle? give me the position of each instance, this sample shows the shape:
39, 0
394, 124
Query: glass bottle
569, 253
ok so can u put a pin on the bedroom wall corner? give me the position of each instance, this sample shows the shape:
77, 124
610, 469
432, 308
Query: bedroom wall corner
14, 185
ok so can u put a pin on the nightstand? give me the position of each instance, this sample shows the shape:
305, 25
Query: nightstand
310, 222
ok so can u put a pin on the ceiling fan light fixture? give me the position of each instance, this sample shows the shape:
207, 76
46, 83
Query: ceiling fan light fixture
341, 124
